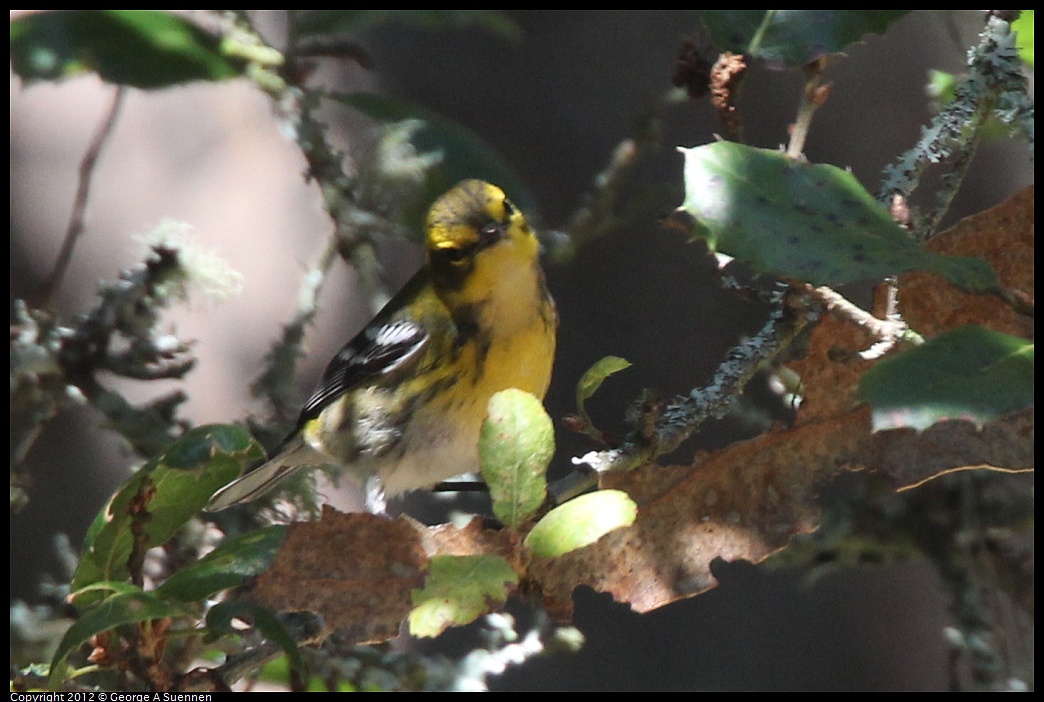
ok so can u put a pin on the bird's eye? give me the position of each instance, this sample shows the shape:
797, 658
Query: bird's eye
490, 231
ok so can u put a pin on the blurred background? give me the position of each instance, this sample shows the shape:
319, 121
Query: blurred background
554, 104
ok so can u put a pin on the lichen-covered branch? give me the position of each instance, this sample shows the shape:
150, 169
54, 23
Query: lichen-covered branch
353, 202
995, 85
55, 364
660, 430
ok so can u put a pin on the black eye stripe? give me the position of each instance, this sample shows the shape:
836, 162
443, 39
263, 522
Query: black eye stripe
455, 253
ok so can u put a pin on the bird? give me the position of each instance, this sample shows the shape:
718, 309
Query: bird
401, 405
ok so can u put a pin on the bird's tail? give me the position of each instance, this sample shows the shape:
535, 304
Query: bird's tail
259, 480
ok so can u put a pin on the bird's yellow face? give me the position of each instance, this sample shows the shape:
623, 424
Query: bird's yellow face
477, 239
483, 260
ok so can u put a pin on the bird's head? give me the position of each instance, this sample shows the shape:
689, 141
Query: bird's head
478, 239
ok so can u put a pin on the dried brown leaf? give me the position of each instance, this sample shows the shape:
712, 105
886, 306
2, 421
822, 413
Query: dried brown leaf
912, 458
356, 570
1003, 236
831, 369
747, 500
743, 502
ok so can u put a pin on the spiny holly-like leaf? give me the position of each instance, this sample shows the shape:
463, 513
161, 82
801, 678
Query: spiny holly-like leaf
593, 378
967, 373
815, 223
580, 522
459, 590
139, 48
793, 37
127, 607
162, 496
516, 444
234, 562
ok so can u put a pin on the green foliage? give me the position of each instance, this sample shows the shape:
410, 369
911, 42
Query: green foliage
458, 590
126, 605
1023, 28
593, 378
146, 512
139, 48
159, 499
515, 447
966, 373
793, 37
814, 223
463, 154
220, 616
232, 563
580, 522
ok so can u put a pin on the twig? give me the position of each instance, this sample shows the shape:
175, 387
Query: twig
678, 419
994, 85
54, 366
275, 383
350, 238
83, 190
890, 331
304, 628
596, 217
812, 97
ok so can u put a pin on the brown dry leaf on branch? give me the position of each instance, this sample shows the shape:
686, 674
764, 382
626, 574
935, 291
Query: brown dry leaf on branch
743, 502
358, 570
1003, 236
747, 500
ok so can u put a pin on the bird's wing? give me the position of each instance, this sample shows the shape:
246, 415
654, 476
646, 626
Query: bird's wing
378, 350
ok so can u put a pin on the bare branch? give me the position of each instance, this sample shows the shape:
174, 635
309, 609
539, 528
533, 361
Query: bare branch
83, 191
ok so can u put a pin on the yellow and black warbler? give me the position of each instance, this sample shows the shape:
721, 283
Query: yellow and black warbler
400, 406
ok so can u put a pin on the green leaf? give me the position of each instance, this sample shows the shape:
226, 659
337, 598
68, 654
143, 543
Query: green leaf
815, 223
941, 87
106, 588
161, 497
967, 373
1023, 28
580, 522
464, 153
140, 48
793, 37
127, 607
458, 590
516, 444
593, 379
220, 616
334, 21
234, 562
